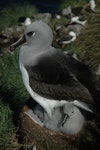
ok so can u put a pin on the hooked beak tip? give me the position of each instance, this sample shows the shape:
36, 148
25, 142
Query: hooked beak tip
15, 45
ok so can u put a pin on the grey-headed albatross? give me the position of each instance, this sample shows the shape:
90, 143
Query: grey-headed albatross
60, 97
71, 37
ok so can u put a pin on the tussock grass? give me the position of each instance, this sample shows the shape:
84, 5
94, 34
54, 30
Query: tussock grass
7, 129
13, 95
9, 16
75, 3
88, 43
12, 88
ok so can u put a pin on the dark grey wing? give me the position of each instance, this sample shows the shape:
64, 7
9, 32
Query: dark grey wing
86, 77
83, 73
51, 78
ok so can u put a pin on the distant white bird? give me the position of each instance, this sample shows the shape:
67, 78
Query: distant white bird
65, 39
71, 37
34, 147
58, 16
27, 22
24, 21
98, 70
76, 20
92, 5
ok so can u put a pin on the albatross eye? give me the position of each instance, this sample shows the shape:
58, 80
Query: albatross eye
32, 33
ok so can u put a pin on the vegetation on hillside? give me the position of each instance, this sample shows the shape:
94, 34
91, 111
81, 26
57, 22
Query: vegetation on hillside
10, 15
88, 44
75, 3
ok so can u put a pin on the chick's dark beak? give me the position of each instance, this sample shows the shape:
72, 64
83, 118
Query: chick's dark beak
21, 41
66, 117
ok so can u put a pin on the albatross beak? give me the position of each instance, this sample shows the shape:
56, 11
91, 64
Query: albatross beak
66, 117
21, 41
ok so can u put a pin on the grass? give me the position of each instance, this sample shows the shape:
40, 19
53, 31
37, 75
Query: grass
11, 83
88, 44
75, 3
13, 95
7, 129
9, 16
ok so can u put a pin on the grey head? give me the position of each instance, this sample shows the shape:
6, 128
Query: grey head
73, 120
68, 109
37, 40
37, 33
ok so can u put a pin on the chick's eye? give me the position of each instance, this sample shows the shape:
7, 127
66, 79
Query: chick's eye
72, 112
30, 33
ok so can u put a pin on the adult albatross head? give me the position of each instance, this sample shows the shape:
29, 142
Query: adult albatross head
48, 80
37, 33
